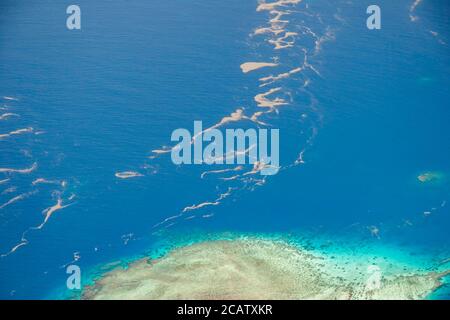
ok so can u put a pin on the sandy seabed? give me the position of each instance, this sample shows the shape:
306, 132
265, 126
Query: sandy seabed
252, 269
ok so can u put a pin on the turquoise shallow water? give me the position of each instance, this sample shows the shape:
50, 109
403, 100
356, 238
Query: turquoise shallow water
354, 253
369, 113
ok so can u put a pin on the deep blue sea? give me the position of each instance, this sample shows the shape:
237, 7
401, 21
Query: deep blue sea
368, 113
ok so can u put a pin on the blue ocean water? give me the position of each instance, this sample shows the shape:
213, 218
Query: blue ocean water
369, 116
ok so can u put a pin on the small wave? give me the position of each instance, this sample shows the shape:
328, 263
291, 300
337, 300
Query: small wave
128, 174
412, 9
284, 42
251, 66
201, 205
8, 115
17, 198
48, 212
264, 6
263, 102
271, 79
205, 204
45, 181
204, 174
22, 171
16, 132
9, 190
10, 98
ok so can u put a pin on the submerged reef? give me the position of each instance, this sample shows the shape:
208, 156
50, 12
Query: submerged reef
431, 177
253, 268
